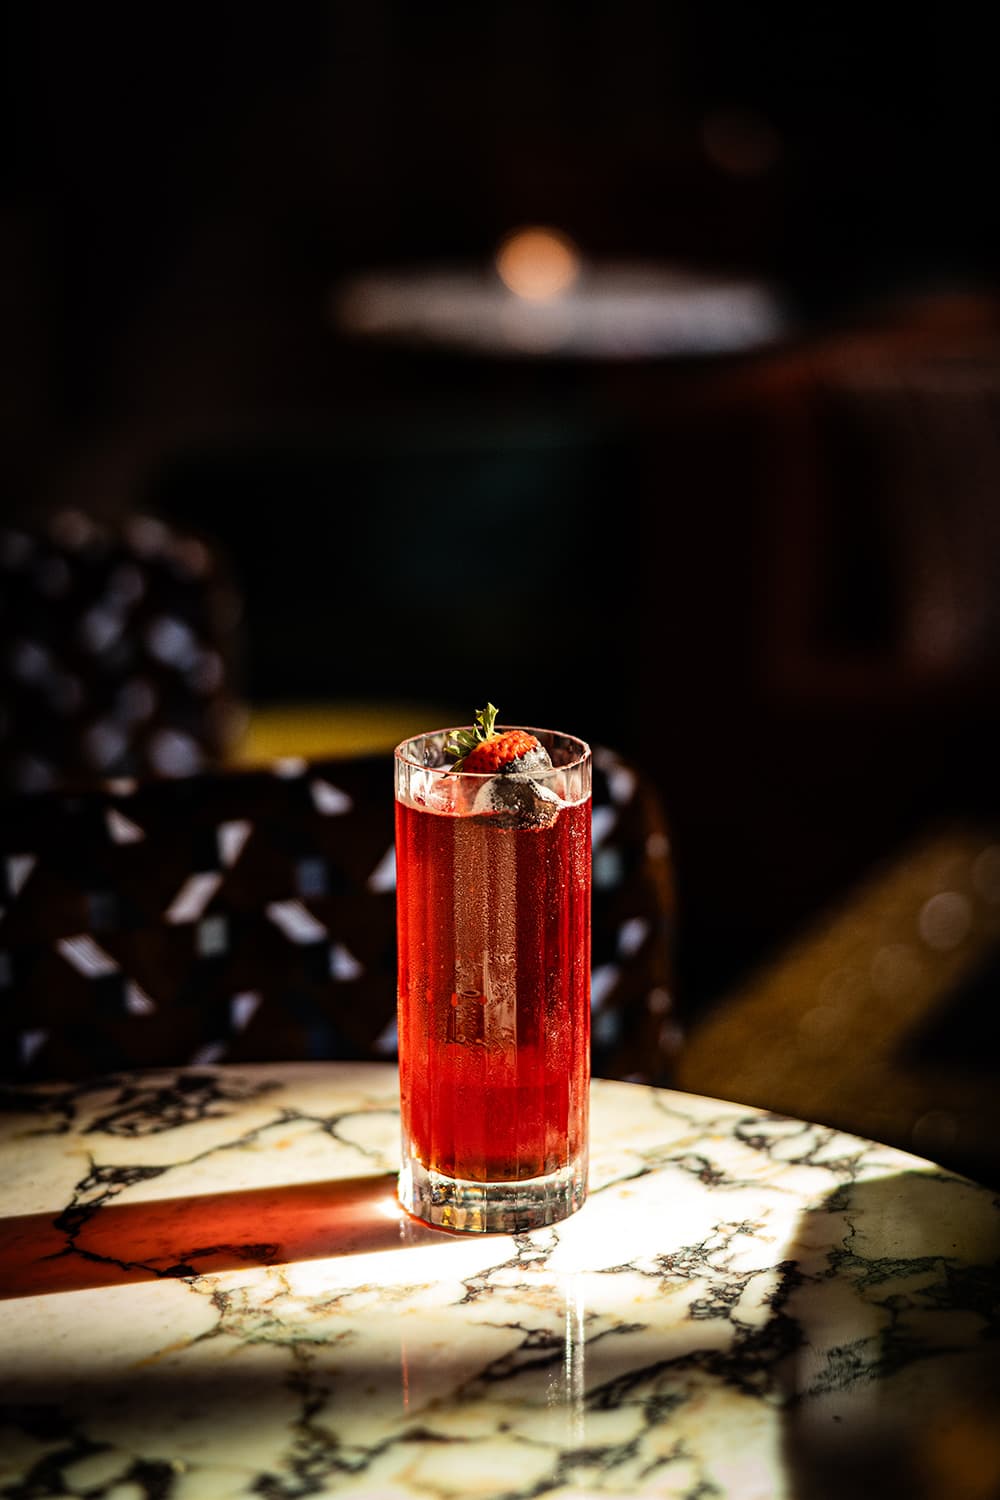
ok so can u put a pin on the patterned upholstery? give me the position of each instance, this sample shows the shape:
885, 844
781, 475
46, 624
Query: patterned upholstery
116, 652
250, 915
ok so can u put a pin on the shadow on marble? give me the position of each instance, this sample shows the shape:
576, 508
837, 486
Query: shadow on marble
113, 1244
848, 1350
891, 1309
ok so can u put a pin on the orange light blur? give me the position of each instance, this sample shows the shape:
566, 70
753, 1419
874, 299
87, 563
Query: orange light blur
538, 263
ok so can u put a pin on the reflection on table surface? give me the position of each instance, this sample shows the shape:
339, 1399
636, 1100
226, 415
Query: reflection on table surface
209, 1289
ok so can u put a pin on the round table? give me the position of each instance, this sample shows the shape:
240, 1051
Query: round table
615, 311
209, 1290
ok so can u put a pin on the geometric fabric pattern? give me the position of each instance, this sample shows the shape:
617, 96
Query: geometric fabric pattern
250, 916
116, 652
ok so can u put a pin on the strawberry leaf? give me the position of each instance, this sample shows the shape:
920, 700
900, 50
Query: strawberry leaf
464, 741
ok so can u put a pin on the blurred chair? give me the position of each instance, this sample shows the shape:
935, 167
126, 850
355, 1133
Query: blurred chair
820, 575
882, 517
250, 915
118, 647
844, 503
881, 1017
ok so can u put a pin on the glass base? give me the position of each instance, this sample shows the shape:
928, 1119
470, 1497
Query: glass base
492, 1207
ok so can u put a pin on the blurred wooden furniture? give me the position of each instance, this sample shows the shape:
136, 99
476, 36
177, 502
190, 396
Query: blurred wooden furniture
320, 730
880, 563
880, 1017
820, 587
863, 790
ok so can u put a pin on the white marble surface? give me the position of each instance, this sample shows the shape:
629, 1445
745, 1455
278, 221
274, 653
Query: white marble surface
209, 1291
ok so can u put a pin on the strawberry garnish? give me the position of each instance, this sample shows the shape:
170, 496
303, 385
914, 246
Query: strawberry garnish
482, 749
500, 753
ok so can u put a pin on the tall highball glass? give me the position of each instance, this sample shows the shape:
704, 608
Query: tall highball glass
493, 919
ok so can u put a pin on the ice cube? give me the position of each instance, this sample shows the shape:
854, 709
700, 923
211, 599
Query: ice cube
433, 791
530, 763
516, 800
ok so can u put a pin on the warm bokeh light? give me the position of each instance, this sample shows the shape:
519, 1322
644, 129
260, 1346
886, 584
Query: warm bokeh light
538, 263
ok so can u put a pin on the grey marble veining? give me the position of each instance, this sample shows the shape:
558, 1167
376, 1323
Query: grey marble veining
210, 1292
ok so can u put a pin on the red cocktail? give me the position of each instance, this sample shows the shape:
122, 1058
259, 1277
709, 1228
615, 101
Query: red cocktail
493, 900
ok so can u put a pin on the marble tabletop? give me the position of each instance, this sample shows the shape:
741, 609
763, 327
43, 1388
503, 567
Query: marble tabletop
209, 1291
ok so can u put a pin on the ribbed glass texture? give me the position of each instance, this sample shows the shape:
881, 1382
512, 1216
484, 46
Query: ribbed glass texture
493, 918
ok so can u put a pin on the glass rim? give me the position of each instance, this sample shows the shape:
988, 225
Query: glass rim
426, 734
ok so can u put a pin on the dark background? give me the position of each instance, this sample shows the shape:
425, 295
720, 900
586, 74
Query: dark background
616, 547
